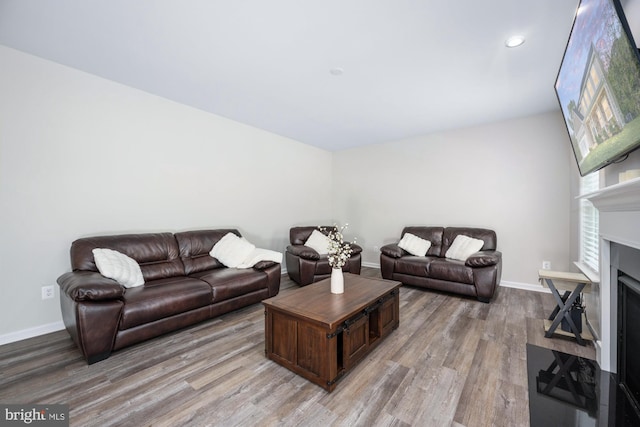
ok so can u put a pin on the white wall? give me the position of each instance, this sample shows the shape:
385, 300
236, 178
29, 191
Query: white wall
80, 155
513, 177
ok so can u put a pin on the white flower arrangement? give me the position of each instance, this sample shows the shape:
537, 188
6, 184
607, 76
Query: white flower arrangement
339, 250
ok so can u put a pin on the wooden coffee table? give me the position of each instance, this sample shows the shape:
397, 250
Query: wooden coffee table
321, 336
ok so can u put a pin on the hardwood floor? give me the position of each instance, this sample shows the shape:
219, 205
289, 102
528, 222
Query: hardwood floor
452, 362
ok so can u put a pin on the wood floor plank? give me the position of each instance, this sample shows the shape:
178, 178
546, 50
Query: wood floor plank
452, 362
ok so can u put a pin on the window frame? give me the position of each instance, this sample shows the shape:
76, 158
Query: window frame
589, 224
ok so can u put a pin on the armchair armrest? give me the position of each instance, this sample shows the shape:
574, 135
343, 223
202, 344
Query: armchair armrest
484, 259
303, 251
392, 250
89, 286
356, 248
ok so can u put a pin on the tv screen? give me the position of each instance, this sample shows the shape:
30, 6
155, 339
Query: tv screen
598, 86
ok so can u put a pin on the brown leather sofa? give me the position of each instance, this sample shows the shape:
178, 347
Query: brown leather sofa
305, 265
477, 277
183, 285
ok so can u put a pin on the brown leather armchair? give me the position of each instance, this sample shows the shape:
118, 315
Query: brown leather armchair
305, 265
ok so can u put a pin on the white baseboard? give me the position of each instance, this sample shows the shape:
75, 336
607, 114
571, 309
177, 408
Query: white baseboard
505, 283
31, 332
370, 264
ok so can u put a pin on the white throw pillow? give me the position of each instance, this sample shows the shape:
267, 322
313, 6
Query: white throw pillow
463, 247
319, 242
414, 245
232, 250
119, 267
258, 255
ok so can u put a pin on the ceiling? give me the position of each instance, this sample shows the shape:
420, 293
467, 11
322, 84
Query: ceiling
409, 67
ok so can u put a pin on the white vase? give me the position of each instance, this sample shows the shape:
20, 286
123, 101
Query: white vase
337, 281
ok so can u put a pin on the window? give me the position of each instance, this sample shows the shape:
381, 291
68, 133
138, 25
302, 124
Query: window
593, 76
604, 104
589, 239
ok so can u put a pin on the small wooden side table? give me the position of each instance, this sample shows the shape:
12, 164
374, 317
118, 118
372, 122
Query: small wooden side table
576, 283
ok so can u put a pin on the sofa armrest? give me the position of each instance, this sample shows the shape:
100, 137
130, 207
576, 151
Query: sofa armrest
303, 252
89, 286
392, 250
484, 259
262, 265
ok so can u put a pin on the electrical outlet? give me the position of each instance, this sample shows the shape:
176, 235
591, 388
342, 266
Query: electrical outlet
47, 292
546, 265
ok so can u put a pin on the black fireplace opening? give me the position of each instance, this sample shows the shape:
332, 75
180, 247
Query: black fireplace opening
629, 340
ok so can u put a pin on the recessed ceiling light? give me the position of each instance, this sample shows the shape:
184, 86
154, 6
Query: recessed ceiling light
336, 71
514, 41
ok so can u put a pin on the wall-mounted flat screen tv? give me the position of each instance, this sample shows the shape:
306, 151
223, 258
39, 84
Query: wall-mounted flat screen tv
598, 86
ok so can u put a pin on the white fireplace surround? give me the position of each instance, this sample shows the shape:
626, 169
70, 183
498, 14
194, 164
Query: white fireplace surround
619, 211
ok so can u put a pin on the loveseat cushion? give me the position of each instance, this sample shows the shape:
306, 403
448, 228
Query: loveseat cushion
163, 298
450, 270
413, 265
232, 282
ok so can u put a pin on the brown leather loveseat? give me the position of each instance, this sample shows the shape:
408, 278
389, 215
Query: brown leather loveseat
183, 285
477, 276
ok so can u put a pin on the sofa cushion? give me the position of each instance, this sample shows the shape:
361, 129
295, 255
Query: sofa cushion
119, 267
163, 298
195, 247
450, 270
230, 282
157, 253
414, 245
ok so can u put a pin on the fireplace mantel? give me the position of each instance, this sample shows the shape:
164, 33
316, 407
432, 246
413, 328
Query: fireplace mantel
617, 198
